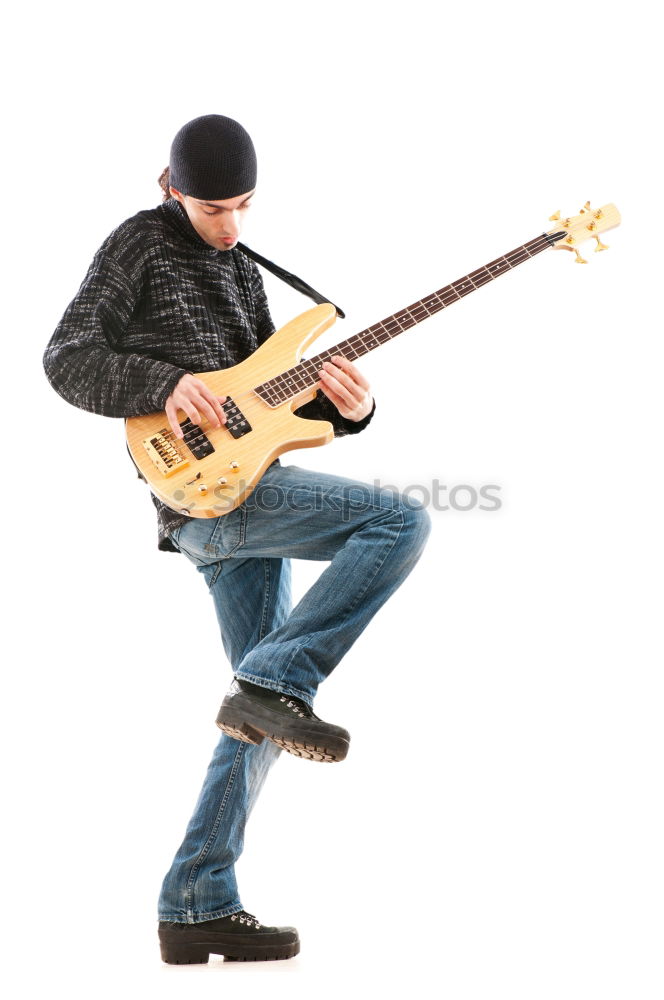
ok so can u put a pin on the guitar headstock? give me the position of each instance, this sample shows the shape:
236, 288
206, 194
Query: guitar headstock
588, 224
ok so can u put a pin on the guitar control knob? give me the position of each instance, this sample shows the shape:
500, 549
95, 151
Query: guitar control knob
235, 466
202, 489
222, 480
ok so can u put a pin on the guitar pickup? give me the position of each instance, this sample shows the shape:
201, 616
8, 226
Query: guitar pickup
196, 441
236, 422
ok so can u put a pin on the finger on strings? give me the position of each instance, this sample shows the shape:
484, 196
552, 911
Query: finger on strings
339, 389
171, 413
353, 370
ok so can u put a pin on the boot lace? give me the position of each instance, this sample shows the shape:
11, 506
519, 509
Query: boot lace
246, 918
292, 704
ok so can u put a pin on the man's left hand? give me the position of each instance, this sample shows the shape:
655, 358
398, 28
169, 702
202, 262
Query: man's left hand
346, 387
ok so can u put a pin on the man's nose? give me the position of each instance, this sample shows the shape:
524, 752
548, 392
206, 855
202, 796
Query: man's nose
232, 224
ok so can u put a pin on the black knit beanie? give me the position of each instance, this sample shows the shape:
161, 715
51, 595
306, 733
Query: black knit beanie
213, 158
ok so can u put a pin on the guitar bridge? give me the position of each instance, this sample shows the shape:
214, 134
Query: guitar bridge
164, 454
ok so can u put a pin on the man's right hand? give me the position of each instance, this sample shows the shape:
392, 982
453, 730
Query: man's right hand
198, 402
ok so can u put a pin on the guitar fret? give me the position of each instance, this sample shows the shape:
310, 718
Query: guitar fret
520, 254
438, 304
463, 287
480, 276
379, 333
379, 337
305, 374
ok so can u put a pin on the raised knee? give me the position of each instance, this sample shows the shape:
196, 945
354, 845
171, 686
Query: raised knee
416, 519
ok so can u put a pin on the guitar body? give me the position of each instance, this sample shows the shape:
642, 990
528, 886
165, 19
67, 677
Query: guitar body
192, 485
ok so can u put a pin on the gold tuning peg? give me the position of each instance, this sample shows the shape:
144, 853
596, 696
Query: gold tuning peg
579, 258
600, 245
586, 208
555, 216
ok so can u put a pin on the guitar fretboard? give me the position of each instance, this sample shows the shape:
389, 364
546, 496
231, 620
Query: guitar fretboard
305, 374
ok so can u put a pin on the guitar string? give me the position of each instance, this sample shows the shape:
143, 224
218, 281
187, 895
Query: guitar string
537, 244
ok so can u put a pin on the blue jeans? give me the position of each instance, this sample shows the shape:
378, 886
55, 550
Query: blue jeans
372, 539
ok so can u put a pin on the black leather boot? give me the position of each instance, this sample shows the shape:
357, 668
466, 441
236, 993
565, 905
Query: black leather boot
251, 713
239, 936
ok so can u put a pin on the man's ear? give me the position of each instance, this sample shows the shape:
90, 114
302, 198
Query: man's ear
176, 194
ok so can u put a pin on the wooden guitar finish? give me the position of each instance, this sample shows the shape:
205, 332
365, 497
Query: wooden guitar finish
213, 470
218, 482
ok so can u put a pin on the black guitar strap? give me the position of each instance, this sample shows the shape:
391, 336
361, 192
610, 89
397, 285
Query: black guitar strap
290, 279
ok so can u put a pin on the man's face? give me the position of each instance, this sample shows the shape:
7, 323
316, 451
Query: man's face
219, 223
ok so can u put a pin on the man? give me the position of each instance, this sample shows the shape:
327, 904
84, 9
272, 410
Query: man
169, 294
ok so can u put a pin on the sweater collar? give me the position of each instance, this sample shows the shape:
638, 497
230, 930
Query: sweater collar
177, 216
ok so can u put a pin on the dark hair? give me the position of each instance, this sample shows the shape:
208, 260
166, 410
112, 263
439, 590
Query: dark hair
164, 178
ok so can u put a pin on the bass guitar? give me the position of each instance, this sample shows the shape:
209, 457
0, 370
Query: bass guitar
210, 471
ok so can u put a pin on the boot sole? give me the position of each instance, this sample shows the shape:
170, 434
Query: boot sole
326, 748
198, 953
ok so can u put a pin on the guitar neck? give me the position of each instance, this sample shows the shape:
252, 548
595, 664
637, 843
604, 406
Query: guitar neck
305, 374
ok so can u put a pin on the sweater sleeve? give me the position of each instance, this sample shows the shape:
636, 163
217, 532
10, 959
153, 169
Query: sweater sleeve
83, 360
320, 407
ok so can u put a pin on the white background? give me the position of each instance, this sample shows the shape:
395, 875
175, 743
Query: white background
496, 829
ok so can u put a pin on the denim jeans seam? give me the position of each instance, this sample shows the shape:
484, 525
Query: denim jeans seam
216, 914
266, 597
282, 689
205, 850
213, 548
226, 911
242, 533
214, 576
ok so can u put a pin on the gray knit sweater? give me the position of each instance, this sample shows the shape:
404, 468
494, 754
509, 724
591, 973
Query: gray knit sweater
157, 302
